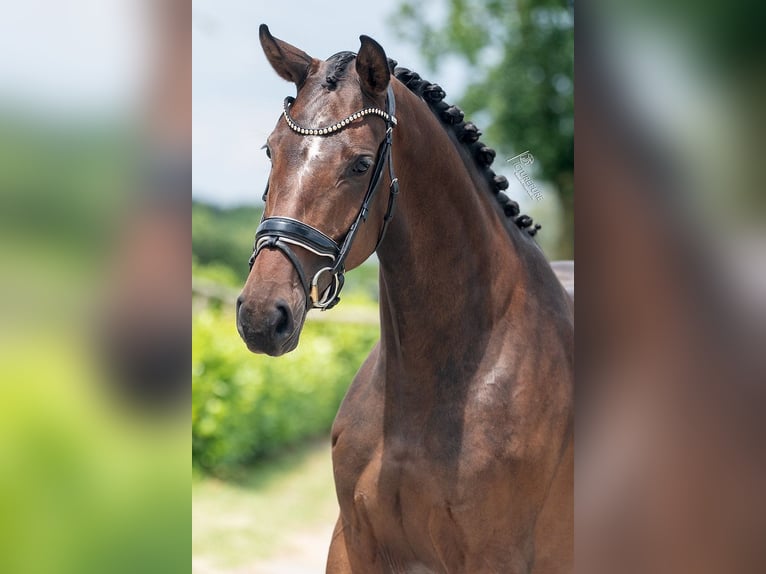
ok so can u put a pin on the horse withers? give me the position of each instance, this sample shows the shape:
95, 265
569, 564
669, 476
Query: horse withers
453, 448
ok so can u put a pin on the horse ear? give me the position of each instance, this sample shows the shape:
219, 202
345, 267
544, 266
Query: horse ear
288, 61
372, 67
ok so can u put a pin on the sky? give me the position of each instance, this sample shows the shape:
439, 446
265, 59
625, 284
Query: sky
73, 57
238, 97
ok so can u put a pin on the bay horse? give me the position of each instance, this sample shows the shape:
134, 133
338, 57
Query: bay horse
453, 447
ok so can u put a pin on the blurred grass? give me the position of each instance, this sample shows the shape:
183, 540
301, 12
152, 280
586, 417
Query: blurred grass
85, 485
236, 524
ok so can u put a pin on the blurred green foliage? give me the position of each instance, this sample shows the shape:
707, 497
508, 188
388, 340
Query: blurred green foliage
87, 485
245, 406
215, 273
61, 186
521, 55
224, 236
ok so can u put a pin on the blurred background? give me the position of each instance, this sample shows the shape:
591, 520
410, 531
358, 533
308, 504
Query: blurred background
95, 200
263, 497
671, 274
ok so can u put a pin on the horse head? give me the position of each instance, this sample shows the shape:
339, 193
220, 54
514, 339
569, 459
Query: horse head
322, 213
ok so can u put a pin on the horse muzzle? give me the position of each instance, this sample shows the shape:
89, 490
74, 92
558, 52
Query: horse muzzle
270, 313
272, 332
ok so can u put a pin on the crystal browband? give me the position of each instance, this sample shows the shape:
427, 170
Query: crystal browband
336, 126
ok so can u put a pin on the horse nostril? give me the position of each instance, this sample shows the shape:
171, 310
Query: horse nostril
265, 326
283, 323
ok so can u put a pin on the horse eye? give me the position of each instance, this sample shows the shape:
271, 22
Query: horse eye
268, 152
362, 165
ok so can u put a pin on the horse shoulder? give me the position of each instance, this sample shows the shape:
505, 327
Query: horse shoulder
356, 432
516, 411
361, 394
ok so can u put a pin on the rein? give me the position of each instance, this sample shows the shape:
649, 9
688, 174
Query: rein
283, 232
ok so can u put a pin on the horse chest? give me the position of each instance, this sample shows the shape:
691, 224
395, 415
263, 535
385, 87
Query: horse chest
414, 494
431, 482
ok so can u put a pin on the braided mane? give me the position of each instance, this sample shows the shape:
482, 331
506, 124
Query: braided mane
467, 134
452, 118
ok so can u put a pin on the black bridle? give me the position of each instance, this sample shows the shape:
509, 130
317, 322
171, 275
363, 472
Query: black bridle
283, 232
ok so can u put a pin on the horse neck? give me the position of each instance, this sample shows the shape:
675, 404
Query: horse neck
449, 268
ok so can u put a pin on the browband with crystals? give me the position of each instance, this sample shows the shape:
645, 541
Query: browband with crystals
335, 127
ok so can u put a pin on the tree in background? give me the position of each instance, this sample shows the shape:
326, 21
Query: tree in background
522, 54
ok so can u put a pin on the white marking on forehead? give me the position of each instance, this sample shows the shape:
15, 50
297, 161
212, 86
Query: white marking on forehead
312, 154
313, 148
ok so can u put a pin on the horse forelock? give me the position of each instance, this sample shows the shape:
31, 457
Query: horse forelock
337, 66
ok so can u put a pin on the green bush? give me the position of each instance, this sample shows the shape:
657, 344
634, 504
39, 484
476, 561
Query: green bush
224, 236
245, 406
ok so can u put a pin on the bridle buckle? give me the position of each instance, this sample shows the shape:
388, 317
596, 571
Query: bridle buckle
329, 297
